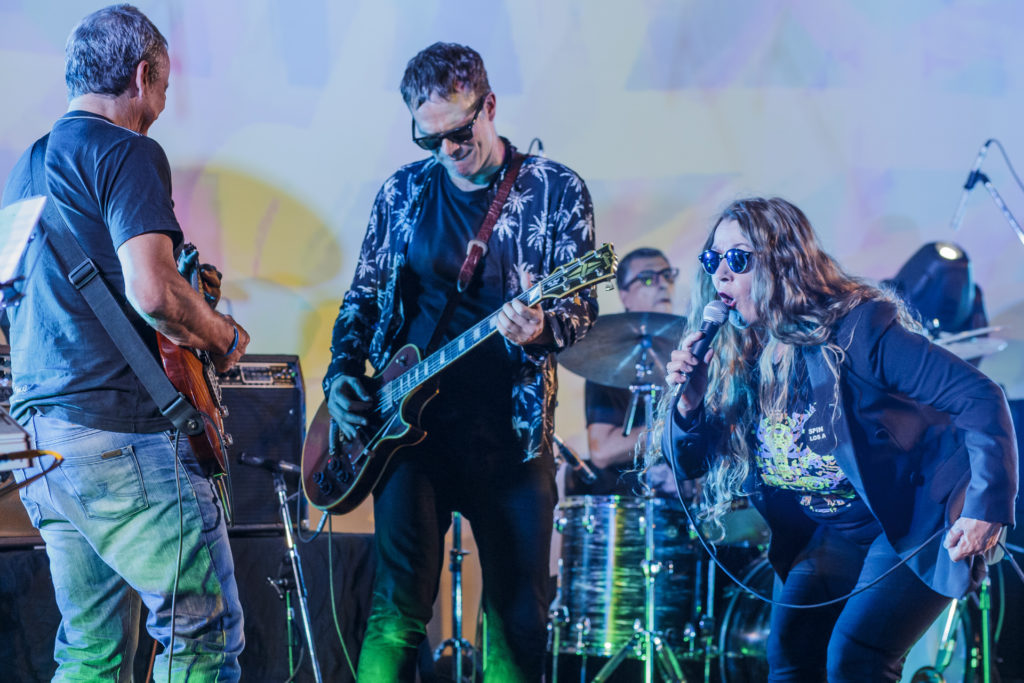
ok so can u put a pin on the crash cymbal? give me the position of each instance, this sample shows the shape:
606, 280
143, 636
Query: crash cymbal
616, 343
975, 347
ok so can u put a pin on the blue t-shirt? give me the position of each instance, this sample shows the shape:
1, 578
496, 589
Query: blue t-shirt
110, 185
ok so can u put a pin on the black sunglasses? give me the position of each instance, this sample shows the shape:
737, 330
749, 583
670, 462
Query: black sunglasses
648, 278
737, 260
459, 136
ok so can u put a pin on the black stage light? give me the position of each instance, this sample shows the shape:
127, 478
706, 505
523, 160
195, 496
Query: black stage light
938, 284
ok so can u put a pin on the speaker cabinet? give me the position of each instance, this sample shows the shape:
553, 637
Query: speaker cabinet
267, 418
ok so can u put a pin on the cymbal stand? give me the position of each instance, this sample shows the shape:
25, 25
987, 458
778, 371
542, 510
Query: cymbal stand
645, 634
649, 392
300, 582
459, 645
960, 609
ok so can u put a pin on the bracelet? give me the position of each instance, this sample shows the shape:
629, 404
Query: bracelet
234, 344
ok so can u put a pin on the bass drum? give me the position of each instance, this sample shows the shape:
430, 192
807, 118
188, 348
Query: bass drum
745, 626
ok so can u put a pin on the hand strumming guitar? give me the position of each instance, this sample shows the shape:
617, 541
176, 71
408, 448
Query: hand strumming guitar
347, 402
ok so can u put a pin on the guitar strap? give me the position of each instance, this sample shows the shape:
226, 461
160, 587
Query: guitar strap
476, 249
87, 279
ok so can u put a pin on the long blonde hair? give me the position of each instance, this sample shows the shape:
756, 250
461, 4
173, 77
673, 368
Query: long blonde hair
800, 294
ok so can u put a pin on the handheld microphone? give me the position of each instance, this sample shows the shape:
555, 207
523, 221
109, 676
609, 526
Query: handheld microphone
715, 314
270, 464
575, 462
972, 179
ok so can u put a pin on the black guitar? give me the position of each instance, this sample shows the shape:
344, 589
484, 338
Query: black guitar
338, 475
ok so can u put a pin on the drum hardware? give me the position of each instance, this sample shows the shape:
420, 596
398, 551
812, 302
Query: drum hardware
460, 647
616, 343
558, 618
646, 632
978, 660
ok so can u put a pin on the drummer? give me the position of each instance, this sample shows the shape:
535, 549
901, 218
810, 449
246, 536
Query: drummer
646, 284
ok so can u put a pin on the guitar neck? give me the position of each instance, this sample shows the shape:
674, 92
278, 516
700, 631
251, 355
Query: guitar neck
392, 392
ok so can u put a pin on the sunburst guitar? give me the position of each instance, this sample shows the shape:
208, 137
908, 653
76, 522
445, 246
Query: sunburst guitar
192, 373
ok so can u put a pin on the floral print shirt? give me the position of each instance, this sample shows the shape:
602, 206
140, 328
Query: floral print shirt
547, 220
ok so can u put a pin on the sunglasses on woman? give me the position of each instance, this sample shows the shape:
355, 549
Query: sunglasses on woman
737, 260
459, 136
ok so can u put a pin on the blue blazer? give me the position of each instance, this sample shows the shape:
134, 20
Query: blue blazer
923, 437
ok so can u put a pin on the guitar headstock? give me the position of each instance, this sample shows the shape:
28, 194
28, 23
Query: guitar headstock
593, 267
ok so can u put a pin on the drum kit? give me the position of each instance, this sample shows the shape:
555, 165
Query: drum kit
634, 583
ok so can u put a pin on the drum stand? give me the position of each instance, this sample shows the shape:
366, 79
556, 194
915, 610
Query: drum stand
646, 638
947, 643
460, 646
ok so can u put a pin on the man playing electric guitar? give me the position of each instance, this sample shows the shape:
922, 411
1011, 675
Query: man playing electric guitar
488, 450
124, 503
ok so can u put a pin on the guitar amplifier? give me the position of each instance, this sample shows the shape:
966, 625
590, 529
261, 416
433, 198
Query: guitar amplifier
266, 417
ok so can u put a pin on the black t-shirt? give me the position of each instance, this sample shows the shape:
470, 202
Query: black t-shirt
610, 405
480, 382
110, 184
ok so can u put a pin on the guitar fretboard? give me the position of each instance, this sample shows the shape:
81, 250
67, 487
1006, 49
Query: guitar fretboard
392, 392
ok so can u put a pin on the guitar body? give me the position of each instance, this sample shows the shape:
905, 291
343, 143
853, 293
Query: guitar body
338, 475
194, 377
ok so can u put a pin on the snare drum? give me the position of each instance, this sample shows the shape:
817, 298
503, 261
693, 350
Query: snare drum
602, 571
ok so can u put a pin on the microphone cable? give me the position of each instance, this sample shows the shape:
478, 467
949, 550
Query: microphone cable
713, 554
334, 603
181, 543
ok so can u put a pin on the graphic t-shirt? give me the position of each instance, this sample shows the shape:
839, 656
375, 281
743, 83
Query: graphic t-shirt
789, 456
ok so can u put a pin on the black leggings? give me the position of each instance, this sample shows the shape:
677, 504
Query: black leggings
863, 639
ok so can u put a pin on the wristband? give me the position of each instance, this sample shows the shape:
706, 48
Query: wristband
234, 343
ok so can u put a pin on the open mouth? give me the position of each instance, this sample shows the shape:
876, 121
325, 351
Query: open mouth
727, 300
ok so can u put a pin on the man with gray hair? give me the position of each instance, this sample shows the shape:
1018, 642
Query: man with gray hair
129, 517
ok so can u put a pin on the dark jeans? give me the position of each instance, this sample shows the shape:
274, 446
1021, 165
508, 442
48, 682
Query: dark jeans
510, 505
864, 639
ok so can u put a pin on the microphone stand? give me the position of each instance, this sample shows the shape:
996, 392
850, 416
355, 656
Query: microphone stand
998, 199
300, 582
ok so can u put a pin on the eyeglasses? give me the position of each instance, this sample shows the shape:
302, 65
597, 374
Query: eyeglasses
648, 278
459, 136
737, 260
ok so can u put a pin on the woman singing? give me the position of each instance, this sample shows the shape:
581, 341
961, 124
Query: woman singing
869, 450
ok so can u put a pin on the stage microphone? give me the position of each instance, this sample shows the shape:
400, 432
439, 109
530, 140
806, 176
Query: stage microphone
972, 179
270, 464
715, 314
575, 462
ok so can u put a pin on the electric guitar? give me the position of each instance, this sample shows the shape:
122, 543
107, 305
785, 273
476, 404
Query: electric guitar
192, 373
337, 475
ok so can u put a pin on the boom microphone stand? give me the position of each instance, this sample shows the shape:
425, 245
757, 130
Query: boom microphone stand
976, 176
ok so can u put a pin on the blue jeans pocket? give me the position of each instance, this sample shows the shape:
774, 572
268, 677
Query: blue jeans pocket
108, 485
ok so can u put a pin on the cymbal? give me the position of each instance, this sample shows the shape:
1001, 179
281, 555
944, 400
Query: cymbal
616, 343
972, 348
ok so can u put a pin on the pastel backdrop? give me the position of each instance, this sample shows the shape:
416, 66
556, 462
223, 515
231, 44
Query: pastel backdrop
283, 118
